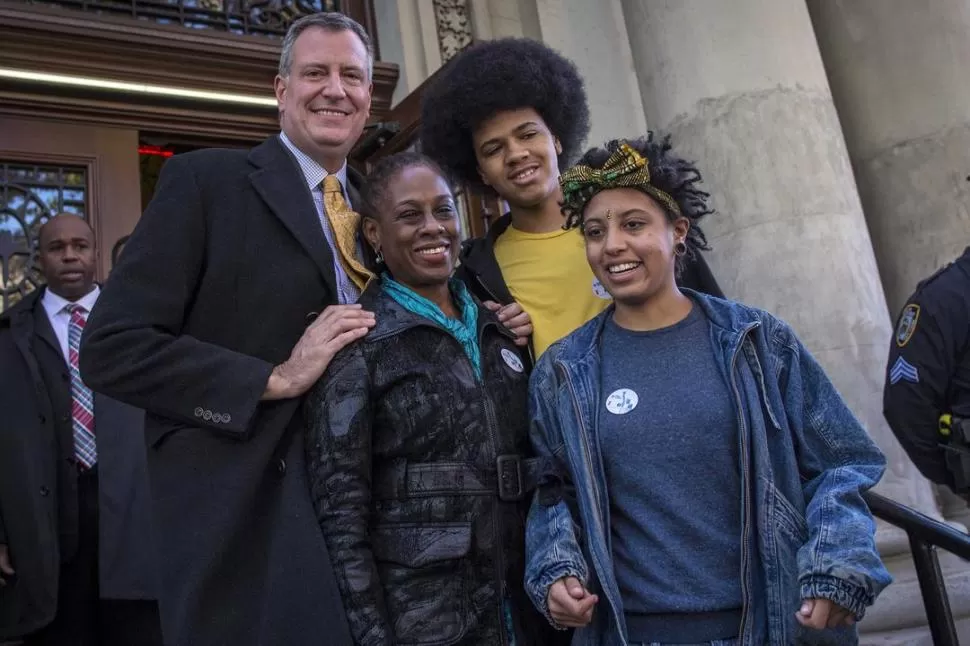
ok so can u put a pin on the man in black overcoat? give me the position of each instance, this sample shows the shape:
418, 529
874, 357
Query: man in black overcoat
77, 564
228, 303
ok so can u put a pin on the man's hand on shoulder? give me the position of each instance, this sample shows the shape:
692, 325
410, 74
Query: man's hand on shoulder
337, 327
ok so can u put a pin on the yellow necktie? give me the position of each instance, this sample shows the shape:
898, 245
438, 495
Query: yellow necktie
343, 223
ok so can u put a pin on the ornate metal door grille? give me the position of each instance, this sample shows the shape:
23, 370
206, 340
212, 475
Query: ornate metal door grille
262, 17
29, 196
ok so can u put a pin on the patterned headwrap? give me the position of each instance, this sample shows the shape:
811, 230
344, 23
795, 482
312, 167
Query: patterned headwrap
624, 168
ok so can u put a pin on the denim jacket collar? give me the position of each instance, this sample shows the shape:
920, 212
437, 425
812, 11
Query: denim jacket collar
729, 318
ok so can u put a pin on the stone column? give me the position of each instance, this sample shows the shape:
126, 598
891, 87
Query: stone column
408, 36
741, 88
900, 75
424, 34
503, 18
593, 35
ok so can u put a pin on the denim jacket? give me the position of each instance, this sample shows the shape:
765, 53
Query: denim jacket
806, 531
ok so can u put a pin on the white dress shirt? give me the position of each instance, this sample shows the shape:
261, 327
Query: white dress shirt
60, 318
314, 174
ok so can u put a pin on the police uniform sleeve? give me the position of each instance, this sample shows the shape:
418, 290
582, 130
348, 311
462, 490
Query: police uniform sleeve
929, 333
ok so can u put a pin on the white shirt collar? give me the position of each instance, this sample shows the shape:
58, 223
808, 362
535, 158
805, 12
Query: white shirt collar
312, 171
54, 304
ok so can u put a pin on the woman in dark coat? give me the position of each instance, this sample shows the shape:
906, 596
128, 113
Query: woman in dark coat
418, 441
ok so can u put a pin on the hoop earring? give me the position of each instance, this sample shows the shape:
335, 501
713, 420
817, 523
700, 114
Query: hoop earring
680, 248
378, 256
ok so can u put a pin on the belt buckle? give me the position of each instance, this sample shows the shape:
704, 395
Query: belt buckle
509, 469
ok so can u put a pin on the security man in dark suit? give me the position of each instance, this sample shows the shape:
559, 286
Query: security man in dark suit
76, 559
231, 297
927, 391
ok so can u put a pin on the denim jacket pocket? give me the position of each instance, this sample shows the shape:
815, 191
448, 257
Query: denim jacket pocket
786, 517
784, 532
424, 570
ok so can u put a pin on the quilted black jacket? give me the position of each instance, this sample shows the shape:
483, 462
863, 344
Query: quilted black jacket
403, 449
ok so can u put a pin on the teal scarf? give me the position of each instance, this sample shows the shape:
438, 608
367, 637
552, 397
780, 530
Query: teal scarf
464, 330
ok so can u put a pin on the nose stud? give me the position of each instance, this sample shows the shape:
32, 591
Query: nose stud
441, 228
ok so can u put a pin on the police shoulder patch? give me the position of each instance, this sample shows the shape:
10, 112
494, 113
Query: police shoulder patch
907, 324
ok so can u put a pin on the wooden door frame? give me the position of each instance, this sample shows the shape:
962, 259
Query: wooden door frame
56, 40
110, 159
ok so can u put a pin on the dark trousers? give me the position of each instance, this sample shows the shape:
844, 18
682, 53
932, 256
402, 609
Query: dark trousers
130, 622
83, 619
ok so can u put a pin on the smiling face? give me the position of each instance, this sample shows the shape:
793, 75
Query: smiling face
416, 229
630, 245
518, 157
324, 100
67, 257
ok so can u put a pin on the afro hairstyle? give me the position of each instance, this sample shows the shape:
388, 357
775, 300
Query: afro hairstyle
495, 76
674, 176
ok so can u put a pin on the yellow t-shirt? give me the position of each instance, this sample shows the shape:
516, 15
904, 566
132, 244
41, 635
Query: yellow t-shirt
547, 274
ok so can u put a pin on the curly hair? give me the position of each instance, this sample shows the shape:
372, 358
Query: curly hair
375, 190
495, 76
676, 177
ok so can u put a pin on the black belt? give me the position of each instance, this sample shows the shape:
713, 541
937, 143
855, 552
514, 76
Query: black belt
512, 478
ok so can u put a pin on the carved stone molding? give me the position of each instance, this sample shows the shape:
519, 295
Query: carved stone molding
453, 25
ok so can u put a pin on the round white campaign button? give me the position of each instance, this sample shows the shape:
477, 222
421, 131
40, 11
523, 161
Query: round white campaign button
599, 290
512, 360
622, 401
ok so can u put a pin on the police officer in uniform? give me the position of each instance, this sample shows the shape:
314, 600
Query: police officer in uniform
927, 393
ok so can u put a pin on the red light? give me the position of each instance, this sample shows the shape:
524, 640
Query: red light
155, 150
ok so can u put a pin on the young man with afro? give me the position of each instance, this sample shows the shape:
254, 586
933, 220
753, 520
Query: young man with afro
505, 116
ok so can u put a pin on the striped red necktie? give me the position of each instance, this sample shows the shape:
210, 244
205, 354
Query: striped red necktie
82, 401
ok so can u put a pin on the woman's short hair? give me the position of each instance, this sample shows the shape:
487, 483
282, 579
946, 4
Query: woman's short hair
375, 190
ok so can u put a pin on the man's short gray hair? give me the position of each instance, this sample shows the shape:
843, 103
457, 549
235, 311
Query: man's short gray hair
332, 21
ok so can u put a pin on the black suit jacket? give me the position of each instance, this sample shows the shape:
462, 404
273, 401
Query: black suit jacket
38, 479
214, 289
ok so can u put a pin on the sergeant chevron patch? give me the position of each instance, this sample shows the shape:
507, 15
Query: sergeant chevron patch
903, 370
